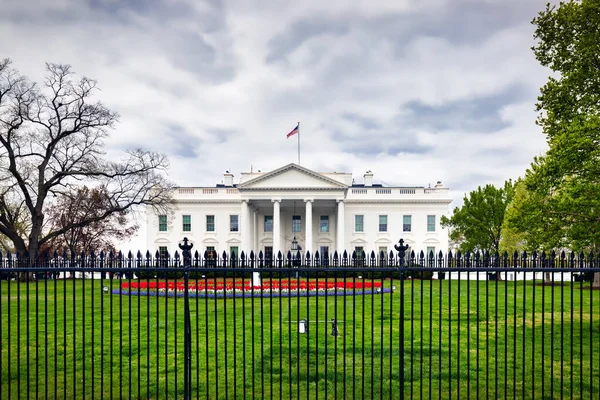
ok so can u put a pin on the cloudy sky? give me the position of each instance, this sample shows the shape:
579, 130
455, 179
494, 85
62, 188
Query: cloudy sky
415, 90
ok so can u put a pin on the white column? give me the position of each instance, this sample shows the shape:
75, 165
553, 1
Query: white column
255, 233
276, 228
340, 228
309, 234
245, 228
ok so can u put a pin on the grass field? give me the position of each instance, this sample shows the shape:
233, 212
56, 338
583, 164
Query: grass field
496, 339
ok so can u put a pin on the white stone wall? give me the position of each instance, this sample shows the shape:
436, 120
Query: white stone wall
291, 186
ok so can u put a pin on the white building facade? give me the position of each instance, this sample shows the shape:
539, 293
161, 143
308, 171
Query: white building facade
325, 212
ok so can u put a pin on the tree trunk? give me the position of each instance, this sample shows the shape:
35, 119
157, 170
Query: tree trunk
596, 284
547, 278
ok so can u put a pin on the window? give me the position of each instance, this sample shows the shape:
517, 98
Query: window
430, 250
269, 256
324, 254
296, 223
406, 223
358, 223
211, 256
233, 223
359, 250
324, 251
210, 223
324, 224
162, 223
187, 223
162, 250
383, 223
431, 223
384, 250
268, 223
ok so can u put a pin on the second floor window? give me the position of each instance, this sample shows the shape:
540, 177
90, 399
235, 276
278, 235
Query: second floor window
324, 224
187, 223
431, 223
383, 223
268, 223
210, 223
406, 223
358, 223
296, 223
233, 223
162, 223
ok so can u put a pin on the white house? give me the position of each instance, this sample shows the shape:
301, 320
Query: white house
322, 211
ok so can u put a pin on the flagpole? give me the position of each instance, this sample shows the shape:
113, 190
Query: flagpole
298, 142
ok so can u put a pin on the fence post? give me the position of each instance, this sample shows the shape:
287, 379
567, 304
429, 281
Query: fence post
401, 248
187, 329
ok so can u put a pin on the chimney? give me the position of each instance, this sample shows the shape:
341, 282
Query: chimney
368, 178
439, 185
228, 179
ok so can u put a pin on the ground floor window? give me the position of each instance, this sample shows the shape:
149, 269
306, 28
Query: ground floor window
268, 256
430, 254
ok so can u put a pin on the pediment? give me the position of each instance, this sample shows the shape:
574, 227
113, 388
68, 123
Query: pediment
292, 177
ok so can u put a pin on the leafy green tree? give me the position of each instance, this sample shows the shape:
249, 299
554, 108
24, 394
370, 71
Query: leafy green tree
563, 186
478, 223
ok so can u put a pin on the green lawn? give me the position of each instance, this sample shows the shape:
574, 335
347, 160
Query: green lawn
67, 338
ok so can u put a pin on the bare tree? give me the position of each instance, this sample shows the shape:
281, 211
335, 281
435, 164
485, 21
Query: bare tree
52, 143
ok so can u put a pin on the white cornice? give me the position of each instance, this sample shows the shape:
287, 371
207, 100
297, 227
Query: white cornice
399, 201
210, 201
277, 189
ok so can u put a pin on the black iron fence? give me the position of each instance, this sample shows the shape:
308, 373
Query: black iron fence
329, 326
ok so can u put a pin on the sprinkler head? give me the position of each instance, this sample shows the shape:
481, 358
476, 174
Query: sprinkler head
105, 289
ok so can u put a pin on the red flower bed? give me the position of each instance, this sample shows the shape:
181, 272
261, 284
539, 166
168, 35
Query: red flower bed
238, 285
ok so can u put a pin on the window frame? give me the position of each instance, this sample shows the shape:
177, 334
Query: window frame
324, 218
237, 223
431, 224
266, 219
362, 223
164, 223
183, 223
213, 223
384, 225
296, 223
405, 225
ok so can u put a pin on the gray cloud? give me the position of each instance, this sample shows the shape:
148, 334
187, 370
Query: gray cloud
184, 143
458, 22
476, 114
382, 142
